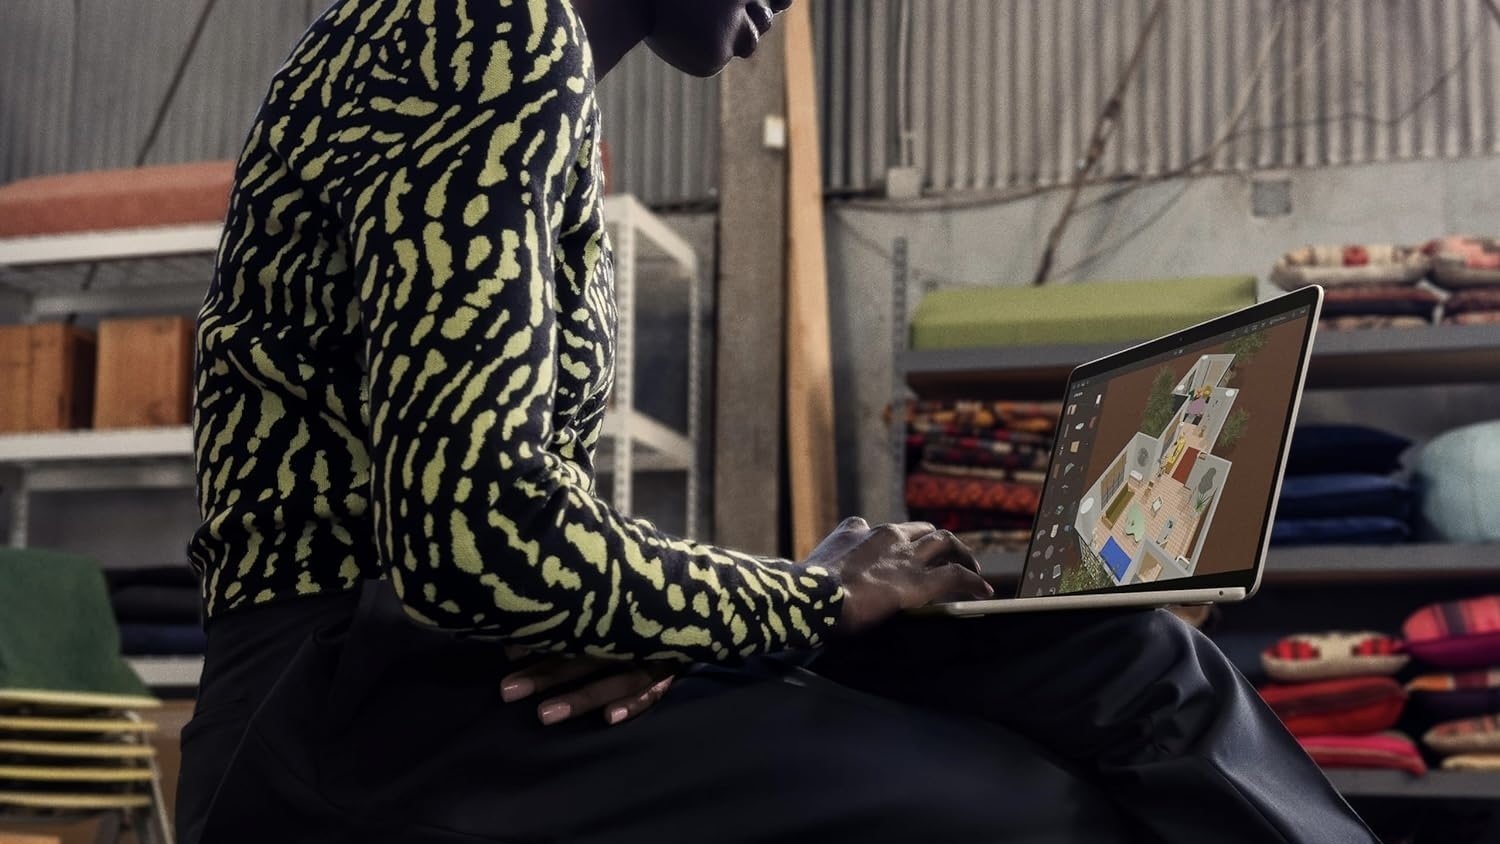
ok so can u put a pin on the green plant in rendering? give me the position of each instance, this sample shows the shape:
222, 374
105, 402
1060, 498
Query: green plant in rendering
1088, 574
1159, 404
1233, 430
1244, 350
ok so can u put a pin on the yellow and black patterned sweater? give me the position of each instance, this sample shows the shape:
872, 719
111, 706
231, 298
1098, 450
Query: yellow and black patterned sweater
405, 354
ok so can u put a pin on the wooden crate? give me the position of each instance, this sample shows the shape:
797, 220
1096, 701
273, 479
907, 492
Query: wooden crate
46, 377
145, 372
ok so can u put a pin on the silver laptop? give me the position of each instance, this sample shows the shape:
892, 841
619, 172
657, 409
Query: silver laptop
1167, 467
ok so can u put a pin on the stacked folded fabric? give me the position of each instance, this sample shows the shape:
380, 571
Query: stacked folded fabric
158, 610
1473, 307
1339, 488
1365, 286
1453, 280
1470, 266
1335, 693
976, 468
1461, 641
69, 736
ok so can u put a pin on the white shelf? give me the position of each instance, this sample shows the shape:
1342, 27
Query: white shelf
161, 672
165, 269
85, 446
144, 456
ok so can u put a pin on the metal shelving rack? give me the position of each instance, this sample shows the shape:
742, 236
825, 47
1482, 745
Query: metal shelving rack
164, 270
1351, 359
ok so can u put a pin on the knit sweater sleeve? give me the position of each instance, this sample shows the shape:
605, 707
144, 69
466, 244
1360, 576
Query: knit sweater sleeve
453, 166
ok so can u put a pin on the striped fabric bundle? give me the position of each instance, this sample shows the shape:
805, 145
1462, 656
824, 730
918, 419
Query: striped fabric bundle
1335, 693
977, 467
1325, 656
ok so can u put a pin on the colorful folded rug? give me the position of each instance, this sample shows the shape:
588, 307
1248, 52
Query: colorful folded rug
1347, 706
1020, 476
1382, 751
939, 492
1473, 299
1456, 634
1473, 762
1363, 321
1473, 318
1353, 264
1326, 656
1465, 260
978, 452
985, 415
1466, 735
1420, 300
1464, 694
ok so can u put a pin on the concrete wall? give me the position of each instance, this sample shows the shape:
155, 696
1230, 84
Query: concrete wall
1202, 226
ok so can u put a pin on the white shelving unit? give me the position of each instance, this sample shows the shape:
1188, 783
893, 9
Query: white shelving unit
39, 276
166, 270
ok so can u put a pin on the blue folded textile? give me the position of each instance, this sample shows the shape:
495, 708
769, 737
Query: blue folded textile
1344, 530
1334, 496
162, 639
1330, 449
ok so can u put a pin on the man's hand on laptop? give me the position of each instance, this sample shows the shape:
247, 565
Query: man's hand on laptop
896, 567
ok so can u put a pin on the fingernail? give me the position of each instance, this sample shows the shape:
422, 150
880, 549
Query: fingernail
513, 690
554, 712
616, 715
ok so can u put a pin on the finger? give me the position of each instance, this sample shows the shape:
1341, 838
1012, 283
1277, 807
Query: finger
623, 710
854, 523
545, 675
901, 533
943, 548
955, 581
912, 531
597, 694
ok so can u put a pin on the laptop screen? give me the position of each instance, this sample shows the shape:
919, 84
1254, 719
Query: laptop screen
1167, 457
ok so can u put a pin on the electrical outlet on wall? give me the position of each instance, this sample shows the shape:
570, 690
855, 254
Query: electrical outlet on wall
903, 183
1271, 197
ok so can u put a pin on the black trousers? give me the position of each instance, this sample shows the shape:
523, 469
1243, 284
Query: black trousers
339, 721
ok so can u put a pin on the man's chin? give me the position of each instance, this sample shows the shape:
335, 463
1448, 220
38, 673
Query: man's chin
702, 67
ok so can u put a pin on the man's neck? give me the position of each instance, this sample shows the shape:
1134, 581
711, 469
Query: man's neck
614, 28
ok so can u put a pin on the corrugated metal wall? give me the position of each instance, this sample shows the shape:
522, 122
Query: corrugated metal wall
999, 93
80, 80
1004, 93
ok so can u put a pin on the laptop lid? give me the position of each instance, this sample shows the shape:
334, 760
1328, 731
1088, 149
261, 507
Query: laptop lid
1169, 457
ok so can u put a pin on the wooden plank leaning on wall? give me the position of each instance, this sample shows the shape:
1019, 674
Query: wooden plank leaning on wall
809, 364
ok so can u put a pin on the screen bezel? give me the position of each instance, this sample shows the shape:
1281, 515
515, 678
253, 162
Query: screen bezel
1310, 297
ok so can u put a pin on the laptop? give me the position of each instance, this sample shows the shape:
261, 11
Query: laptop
1167, 467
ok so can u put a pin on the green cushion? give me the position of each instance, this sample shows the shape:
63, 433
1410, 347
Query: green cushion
57, 631
1063, 314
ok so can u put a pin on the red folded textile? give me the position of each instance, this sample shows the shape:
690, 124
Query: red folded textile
1478, 299
1474, 318
100, 200
1456, 634
925, 491
1009, 452
1337, 707
1027, 416
1385, 751
1017, 475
